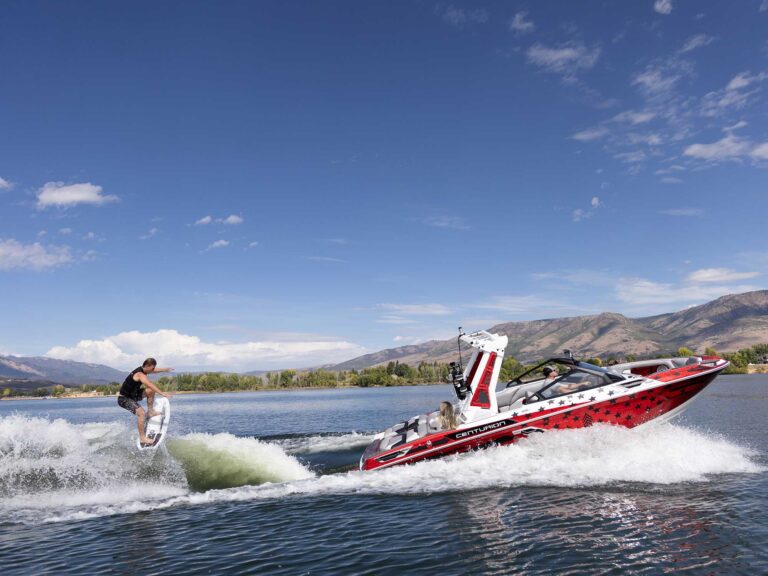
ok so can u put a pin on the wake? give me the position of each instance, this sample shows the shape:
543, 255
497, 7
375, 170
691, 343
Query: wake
52, 470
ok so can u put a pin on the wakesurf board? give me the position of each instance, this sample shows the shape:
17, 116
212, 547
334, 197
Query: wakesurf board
155, 428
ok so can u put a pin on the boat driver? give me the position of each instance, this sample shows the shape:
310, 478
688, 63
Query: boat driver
551, 374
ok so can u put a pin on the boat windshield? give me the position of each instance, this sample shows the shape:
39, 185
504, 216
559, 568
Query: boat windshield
577, 379
571, 374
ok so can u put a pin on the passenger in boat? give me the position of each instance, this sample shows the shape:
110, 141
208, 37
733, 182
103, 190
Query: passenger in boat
447, 418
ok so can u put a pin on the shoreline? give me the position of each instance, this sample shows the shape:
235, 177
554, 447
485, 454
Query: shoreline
87, 395
190, 392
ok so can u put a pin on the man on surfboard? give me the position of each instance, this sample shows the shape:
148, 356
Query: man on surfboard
137, 386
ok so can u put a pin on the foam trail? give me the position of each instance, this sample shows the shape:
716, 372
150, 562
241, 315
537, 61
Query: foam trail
600, 455
53, 470
222, 461
325, 443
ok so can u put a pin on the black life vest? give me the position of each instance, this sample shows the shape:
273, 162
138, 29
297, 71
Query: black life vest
131, 388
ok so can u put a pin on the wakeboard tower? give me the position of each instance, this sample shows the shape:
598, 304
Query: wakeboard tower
580, 394
155, 428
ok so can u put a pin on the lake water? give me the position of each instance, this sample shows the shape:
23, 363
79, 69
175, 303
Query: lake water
266, 483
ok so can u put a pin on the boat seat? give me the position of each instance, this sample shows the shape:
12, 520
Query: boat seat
686, 361
506, 398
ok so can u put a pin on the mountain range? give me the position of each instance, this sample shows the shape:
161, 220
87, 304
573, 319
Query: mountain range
726, 324
40, 368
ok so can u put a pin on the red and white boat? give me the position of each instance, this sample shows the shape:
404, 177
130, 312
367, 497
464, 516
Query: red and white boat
575, 395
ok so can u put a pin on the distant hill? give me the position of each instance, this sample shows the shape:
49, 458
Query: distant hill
25, 385
726, 324
59, 371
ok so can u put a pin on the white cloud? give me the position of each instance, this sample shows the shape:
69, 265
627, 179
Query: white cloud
731, 147
65, 231
62, 195
734, 96
233, 219
90, 256
673, 169
459, 16
325, 259
412, 340
719, 275
524, 305
219, 244
760, 152
635, 117
416, 309
631, 157
520, 25
184, 351
253, 244
654, 81
763, 6
689, 212
152, 232
5, 185
566, 59
591, 134
649, 139
14, 254
395, 319
744, 79
698, 41
580, 213
454, 222
663, 6
640, 292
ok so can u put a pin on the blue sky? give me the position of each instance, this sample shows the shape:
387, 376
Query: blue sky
250, 185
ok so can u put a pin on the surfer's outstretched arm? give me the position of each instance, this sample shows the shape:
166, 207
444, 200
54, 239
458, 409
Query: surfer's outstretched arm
152, 386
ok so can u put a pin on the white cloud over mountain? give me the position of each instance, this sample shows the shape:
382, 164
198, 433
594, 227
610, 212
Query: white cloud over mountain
183, 351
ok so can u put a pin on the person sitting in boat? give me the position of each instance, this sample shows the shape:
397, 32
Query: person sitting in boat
569, 385
447, 417
550, 374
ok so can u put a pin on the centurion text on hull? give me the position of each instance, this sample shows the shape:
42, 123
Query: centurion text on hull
576, 394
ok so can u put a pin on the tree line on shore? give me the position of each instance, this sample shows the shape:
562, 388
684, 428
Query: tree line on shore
392, 374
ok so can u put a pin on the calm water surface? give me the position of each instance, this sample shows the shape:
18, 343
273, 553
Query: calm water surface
266, 483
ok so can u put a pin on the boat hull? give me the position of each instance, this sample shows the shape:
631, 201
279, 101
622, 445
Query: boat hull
675, 390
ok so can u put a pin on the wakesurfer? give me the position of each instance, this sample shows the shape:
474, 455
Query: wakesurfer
137, 386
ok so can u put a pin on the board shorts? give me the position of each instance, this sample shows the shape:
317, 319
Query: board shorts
128, 403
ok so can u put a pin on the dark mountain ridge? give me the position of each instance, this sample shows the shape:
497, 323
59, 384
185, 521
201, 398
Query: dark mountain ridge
726, 324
